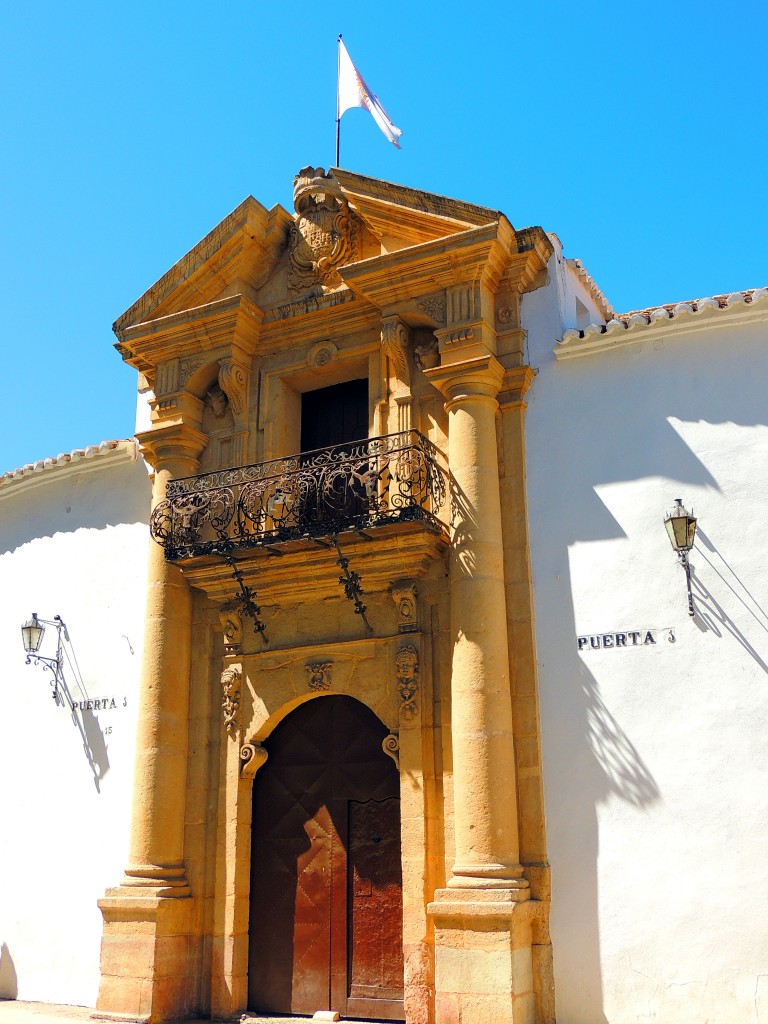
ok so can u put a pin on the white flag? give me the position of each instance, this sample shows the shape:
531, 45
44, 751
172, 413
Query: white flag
353, 92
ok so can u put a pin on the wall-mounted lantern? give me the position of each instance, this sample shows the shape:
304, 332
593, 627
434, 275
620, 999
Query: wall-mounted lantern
681, 527
32, 633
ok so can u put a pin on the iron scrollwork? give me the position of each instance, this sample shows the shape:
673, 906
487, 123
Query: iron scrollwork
394, 478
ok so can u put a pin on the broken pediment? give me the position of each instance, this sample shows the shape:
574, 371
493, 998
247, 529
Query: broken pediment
236, 258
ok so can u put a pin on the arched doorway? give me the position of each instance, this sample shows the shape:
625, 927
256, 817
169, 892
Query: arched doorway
326, 880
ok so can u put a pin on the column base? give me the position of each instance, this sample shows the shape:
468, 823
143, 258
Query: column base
146, 955
483, 956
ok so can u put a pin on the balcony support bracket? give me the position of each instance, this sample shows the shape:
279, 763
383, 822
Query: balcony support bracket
247, 596
350, 581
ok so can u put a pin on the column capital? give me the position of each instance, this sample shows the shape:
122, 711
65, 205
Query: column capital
480, 377
517, 380
175, 446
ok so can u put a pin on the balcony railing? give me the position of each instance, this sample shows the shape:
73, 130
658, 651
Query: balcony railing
394, 478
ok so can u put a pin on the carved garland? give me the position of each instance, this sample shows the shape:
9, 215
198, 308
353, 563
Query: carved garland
230, 701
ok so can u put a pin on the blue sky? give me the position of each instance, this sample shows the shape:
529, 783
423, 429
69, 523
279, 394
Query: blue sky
636, 132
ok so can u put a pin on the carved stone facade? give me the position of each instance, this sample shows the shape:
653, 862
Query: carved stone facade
376, 590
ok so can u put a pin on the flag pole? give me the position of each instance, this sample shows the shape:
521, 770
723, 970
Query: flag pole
338, 117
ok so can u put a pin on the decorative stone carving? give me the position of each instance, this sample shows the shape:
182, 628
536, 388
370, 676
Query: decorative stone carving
230, 698
216, 401
187, 367
233, 381
252, 757
505, 315
166, 378
322, 353
427, 355
319, 673
434, 307
404, 596
394, 341
325, 235
391, 747
407, 664
461, 303
232, 628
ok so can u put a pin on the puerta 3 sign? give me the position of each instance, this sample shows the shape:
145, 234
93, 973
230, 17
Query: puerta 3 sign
628, 638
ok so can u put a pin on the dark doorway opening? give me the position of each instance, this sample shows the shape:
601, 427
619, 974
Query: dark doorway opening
326, 878
334, 415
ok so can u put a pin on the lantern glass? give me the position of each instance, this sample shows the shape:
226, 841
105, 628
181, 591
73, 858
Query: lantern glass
681, 527
32, 634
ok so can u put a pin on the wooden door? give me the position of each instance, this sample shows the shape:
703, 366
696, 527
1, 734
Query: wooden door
326, 884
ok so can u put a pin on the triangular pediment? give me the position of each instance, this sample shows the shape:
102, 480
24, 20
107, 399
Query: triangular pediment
400, 216
269, 258
236, 257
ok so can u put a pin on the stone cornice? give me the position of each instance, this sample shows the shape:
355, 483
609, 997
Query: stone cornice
480, 376
515, 385
398, 277
173, 442
233, 321
702, 315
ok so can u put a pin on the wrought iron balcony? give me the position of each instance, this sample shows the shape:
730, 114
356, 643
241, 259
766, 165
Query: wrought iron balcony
395, 478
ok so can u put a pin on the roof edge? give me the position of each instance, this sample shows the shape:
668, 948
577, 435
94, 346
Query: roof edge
622, 329
32, 472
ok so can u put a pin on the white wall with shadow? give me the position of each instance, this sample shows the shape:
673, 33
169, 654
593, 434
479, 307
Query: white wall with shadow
655, 774
73, 542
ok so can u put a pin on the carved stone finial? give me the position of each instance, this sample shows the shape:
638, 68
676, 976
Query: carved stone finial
404, 595
252, 757
319, 673
407, 664
325, 235
230, 700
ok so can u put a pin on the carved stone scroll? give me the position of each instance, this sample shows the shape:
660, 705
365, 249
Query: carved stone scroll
394, 341
230, 698
319, 673
252, 757
391, 747
407, 664
233, 380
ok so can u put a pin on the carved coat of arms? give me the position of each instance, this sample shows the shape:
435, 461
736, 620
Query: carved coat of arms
325, 234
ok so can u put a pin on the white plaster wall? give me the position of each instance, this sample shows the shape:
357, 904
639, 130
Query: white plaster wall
73, 542
655, 758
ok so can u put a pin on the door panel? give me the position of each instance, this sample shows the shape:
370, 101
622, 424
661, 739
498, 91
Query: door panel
326, 821
375, 908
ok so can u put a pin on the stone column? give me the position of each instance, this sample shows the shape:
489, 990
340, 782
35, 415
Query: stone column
144, 969
482, 928
481, 728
